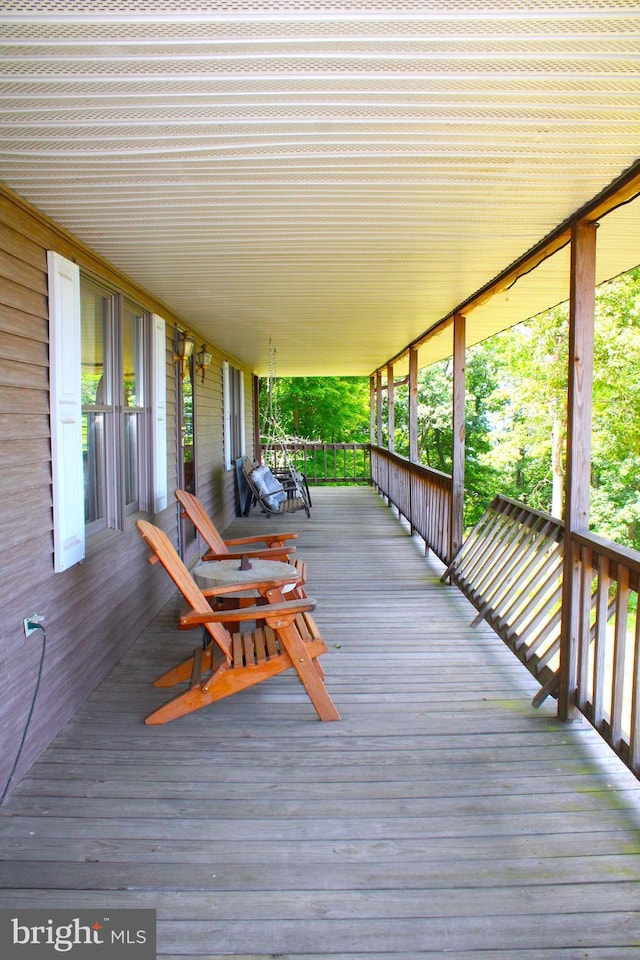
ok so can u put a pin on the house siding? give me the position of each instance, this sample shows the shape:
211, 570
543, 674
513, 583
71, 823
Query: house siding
215, 485
95, 610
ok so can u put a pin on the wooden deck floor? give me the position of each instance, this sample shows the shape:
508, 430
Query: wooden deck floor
442, 817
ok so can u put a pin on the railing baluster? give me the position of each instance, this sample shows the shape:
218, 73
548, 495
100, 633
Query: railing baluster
619, 656
602, 616
584, 645
420, 494
634, 734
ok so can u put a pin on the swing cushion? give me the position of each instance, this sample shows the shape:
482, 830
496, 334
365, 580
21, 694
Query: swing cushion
270, 489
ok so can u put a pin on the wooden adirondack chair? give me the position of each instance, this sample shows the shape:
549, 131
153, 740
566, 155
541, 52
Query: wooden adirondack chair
275, 544
288, 639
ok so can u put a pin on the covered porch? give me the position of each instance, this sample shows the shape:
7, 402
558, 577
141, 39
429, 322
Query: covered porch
443, 815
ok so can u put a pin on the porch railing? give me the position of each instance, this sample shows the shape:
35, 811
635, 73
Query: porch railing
511, 568
322, 462
421, 495
609, 643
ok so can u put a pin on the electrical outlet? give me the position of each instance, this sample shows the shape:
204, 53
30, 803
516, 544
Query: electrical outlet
32, 623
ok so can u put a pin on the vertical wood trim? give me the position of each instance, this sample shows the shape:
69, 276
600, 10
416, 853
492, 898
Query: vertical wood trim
372, 409
458, 452
391, 411
159, 412
579, 403
226, 408
257, 452
413, 405
242, 414
65, 373
379, 407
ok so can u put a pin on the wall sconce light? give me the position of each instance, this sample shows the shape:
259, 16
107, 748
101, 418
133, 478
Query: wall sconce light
203, 359
183, 345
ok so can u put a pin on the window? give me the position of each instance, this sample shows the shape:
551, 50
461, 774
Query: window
233, 399
135, 354
108, 409
96, 309
114, 338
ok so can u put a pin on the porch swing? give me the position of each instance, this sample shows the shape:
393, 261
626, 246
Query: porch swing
276, 483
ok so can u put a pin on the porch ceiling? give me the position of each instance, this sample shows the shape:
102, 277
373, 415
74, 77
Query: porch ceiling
333, 176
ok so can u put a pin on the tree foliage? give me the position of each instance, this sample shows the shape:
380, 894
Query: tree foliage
615, 476
528, 410
515, 413
325, 409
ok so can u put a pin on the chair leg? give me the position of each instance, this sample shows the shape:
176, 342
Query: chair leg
187, 702
178, 674
211, 656
224, 682
309, 673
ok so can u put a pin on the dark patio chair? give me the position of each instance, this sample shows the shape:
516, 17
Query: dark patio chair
275, 497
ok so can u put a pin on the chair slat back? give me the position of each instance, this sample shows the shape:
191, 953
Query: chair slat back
199, 517
157, 540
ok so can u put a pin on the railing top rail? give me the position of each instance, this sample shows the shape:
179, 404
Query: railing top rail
607, 548
615, 552
531, 511
308, 444
410, 465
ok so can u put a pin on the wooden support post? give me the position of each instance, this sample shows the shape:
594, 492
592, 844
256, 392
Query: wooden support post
413, 405
458, 452
391, 413
579, 403
379, 407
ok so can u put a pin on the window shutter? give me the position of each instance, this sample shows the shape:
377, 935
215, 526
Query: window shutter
159, 414
66, 412
226, 406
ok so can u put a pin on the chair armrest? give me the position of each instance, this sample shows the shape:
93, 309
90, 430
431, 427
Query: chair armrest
268, 538
269, 553
265, 612
287, 481
253, 585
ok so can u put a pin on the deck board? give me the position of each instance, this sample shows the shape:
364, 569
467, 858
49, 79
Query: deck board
442, 816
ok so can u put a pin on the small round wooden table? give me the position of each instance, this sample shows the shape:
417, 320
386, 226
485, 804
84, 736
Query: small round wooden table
220, 573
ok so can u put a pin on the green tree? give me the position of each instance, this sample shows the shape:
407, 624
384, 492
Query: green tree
529, 409
326, 409
515, 413
528, 418
615, 447
435, 392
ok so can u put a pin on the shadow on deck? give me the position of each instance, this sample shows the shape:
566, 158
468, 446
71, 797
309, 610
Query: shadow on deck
443, 816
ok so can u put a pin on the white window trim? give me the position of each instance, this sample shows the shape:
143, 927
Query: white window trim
226, 406
159, 413
226, 401
243, 441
